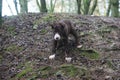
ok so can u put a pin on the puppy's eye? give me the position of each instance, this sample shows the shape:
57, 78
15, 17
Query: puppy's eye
52, 27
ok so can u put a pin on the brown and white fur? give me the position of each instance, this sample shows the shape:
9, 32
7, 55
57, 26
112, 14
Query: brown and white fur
61, 30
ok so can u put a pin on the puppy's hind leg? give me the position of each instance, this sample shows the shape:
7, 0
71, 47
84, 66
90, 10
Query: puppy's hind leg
73, 32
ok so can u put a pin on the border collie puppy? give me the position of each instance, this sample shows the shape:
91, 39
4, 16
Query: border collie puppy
61, 30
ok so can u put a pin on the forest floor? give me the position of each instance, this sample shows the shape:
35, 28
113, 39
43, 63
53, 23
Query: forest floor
25, 45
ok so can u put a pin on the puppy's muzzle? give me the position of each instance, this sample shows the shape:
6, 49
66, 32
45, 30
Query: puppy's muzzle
57, 36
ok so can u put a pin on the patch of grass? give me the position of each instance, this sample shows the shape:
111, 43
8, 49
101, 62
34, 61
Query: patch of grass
91, 54
43, 31
45, 19
105, 30
23, 72
46, 71
102, 31
109, 63
14, 48
49, 18
33, 77
71, 70
11, 30
28, 69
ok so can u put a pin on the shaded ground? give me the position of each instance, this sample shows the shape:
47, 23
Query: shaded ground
25, 45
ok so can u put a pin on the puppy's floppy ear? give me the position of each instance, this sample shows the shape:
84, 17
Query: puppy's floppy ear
62, 25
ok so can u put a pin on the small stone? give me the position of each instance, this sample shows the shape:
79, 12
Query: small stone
79, 46
108, 77
35, 26
109, 70
45, 59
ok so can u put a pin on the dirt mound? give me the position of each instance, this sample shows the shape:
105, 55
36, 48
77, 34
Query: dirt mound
25, 45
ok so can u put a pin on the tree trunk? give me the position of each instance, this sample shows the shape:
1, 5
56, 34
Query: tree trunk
23, 6
62, 5
69, 4
78, 6
93, 7
43, 6
109, 7
0, 12
86, 6
52, 5
38, 4
114, 8
16, 7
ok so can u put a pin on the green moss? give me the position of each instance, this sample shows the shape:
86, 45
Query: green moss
23, 72
49, 17
109, 63
70, 70
43, 31
28, 70
14, 48
46, 71
104, 30
45, 19
42, 68
91, 54
11, 30
33, 77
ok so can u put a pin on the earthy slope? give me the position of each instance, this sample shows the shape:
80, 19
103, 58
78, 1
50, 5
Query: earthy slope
25, 45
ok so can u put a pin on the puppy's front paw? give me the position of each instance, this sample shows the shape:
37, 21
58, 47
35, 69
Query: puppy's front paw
79, 46
68, 59
52, 56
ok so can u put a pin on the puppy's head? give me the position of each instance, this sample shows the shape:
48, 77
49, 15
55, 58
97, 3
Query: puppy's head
58, 31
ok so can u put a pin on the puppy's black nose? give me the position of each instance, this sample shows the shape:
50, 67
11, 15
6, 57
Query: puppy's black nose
57, 38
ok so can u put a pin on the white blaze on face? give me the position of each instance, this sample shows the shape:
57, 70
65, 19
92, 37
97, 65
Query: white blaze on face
57, 36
